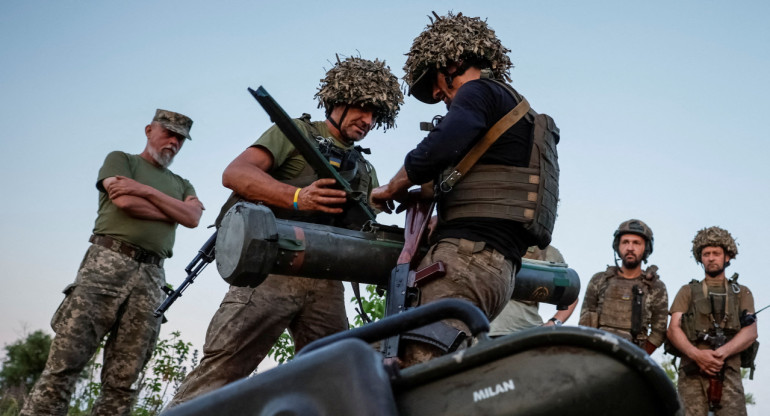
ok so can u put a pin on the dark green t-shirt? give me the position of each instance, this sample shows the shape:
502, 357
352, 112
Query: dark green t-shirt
155, 236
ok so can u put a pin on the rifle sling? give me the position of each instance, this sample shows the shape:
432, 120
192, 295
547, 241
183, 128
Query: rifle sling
491, 136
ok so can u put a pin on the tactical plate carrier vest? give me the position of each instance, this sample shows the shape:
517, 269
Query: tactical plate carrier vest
525, 194
697, 321
623, 308
352, 167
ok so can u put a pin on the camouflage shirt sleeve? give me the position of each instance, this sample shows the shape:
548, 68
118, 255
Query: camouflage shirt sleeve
659, 307
590, 301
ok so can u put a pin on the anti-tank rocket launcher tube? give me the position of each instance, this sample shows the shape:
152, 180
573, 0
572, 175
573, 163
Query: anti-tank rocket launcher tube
252, 243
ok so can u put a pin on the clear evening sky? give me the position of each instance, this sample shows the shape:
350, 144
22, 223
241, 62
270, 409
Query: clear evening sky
659, 104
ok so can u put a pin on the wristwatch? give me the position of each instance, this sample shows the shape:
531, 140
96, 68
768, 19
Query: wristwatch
556, 321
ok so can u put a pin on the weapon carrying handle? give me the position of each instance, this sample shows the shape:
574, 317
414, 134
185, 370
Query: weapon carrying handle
411, 319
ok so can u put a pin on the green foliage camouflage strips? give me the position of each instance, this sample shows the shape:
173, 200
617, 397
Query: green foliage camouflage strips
451, 38
714, 237
361, 82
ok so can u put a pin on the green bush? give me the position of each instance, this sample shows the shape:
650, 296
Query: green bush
156, 384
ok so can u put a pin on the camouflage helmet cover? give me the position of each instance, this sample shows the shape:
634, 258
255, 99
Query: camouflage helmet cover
361, 82
448, 39
637, 227
713, 237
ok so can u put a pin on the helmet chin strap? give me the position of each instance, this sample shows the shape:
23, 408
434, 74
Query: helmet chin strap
449, 78
338, 126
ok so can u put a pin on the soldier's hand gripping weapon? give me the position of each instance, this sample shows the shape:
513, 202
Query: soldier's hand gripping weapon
716, 382
402, 286
357, 206
199, 262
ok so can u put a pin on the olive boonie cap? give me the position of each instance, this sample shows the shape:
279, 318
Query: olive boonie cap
178, 123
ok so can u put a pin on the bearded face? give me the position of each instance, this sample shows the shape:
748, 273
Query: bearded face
163, 157
163, 144
714, 259
631, 250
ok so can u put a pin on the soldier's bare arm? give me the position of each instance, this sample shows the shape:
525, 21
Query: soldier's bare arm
707, 360
247, 176
135, 206
563, 315
742, 340
186, 213
396, 190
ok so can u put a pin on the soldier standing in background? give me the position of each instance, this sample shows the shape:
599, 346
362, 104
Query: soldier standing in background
712, 311
627, 301
519, 315
358, 95
118, 285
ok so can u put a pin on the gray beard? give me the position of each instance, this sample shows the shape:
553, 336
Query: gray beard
162, 158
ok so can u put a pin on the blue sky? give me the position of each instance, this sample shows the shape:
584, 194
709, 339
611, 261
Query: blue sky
659, 103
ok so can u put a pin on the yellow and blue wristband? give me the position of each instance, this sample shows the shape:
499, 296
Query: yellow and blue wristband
296, 196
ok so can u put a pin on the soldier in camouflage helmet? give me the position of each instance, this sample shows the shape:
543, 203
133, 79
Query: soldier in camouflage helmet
358, 95
118, 283
626, 300
357, 82
701, 311
459, 60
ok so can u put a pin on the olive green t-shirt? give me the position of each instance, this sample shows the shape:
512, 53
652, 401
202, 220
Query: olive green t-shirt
287, 162
155, 236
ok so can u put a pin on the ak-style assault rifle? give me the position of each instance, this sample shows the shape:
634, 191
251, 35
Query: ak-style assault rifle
199, 262
404, 279
716, 382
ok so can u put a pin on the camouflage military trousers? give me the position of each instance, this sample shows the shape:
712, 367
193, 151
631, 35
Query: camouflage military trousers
693, 391
482, 276
111, 294
249, 321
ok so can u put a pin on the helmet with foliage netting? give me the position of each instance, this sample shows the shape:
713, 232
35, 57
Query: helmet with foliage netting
448, 39
713, 237
361, 82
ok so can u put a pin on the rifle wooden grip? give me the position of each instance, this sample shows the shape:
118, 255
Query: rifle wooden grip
715, 392
418, 215
430, 272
